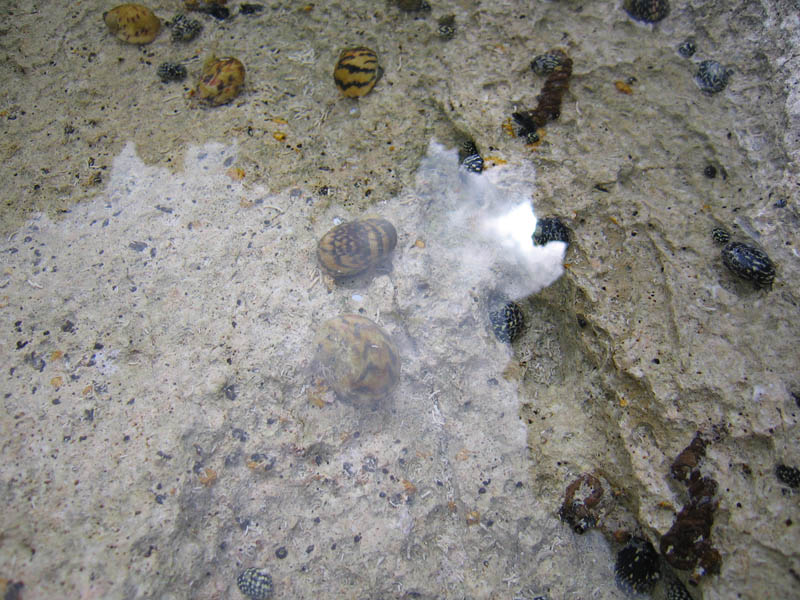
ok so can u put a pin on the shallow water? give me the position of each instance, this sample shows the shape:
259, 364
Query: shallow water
163, 425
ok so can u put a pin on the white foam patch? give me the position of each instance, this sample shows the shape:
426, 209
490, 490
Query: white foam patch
490, 221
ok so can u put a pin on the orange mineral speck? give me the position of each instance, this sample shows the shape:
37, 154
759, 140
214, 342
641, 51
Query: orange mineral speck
208, 477
508, 127
235, 173
623, 87
279, 135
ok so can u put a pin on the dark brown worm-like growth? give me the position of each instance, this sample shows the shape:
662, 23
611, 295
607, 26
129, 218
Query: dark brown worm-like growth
549, 101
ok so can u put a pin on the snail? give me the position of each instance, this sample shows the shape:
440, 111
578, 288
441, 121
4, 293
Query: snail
550, 229
220, 81
357, 71
748, 262
712, 77
255, 583
505, 317
353, 247
647, 11
133, 23
356, 358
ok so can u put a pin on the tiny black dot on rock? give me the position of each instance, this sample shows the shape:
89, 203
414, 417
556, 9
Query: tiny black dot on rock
281, 552
357, 538
710, 171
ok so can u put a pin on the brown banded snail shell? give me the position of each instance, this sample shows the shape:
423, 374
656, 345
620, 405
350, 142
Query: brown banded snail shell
133, 23
353, 247
356, 358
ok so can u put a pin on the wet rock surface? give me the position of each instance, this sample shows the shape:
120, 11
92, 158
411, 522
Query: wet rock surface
159, 316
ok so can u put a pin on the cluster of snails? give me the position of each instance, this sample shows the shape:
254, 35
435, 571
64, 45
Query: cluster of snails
221, 79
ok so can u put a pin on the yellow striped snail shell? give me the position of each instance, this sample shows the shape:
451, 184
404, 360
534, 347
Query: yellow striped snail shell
356, 358
133, 23
220, 82
353, 247
357, 71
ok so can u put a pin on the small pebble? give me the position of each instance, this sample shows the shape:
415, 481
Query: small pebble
170, 71
712, 77
255, 583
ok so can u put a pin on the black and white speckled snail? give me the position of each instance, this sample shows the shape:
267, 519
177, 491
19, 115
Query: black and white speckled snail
647, 11
638, 566
447, 27
353, 247
687, 47
132, 23
505, 317
255, 583
357, 71
712, 77
544, 64
469, 157
170, 71
220, 81
748, 262
720, 235
550, 229
184, 29
356, 358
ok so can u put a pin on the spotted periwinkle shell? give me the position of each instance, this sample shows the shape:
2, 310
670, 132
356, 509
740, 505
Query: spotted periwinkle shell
220, 82
638, 566
184, 29
687, 48
505, 317
750, 263
712, 77
132, 23
357, 71
353, 247
720, 235
544, 64
255, 583
647, 11
550, 229
356, 358
469, 157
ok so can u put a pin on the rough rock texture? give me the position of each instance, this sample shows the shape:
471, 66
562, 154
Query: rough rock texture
161, 431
